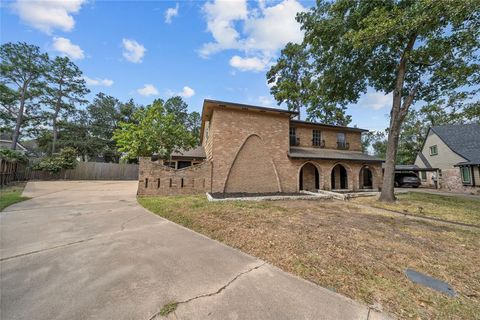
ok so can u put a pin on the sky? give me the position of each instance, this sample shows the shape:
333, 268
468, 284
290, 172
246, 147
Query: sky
199, 50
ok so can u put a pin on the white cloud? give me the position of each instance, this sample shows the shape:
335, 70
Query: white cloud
259, 32
133, 51
265, 101
187, 92
98, 82
66, 47
48, 15
247, 64
375, 100
148, 90
170, 13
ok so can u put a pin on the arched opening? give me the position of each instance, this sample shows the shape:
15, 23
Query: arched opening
339, 177
309, 178
366, 178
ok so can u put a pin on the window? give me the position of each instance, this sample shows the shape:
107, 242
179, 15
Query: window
341, 137
342, 144
466, 175
433, 150
293, 137
184, 164
316, 138
423, 175
171, 164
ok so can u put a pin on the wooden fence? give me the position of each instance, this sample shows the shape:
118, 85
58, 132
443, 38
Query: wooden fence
83, 171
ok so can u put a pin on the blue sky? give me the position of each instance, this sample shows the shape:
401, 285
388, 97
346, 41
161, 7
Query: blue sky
155, 49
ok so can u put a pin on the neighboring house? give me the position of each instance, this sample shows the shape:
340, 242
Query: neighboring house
455, 151
7, 144
251, 149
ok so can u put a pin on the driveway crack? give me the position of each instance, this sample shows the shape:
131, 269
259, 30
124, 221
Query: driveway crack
122, 227
46, 249
222, 288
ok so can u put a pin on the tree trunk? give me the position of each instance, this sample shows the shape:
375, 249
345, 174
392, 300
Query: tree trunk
54, 133
16, 132
397, 114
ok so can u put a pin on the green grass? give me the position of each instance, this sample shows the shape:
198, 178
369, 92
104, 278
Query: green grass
451, 208
10, 195
168, 308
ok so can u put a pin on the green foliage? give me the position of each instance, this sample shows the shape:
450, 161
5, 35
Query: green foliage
12, 155
66, 159
154, 131
22, 71
66, 90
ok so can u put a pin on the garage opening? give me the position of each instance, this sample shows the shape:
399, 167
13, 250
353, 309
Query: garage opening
339, 177
309, 178
366, 178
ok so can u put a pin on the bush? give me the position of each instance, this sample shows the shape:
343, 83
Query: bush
12, 155
66, 159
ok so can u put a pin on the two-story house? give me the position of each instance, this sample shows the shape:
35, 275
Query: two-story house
252, 149
455, 151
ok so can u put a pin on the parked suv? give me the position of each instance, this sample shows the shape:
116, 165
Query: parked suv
407, 179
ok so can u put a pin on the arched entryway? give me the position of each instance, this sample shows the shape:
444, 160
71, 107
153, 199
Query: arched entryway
309, 179
366, 178
339, 177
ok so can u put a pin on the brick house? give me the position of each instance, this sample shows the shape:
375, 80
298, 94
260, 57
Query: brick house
251, 149
455, 151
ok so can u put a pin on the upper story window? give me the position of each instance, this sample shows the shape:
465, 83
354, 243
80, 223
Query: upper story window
341, 141
294, 141
317, 138
433, 150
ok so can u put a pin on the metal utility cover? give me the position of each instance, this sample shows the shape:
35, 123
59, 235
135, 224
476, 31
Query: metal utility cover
427, 281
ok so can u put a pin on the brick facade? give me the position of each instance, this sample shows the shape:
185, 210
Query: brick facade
247, 151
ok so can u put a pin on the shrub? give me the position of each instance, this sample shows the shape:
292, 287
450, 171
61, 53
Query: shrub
12, 155
66, 159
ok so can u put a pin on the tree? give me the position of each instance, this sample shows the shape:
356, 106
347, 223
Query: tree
22, 70
417, 50
293, 83
66, 89
194, 123
155, 131
105, 113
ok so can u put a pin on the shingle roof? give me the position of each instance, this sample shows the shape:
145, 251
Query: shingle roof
198, 153
316, 153
463, 139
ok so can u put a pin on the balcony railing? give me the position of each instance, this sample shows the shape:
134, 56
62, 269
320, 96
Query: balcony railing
318, 143
343, 145
294, 141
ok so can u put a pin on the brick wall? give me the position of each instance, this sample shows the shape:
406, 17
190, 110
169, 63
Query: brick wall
451, 181
305, 133
157, 179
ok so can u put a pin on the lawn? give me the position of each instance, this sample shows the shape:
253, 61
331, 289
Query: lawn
11, 194
359, 252
431, 205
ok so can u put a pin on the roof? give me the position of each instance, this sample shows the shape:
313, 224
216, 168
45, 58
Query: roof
463, 139
317, 153
7, 144
209, 105
196, 153
328, 125
410, 167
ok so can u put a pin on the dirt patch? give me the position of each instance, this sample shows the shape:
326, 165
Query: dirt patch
358, 252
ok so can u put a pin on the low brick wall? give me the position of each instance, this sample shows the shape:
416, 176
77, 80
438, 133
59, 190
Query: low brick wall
157, 179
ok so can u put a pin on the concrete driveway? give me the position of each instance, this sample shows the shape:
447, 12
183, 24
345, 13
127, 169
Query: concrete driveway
87, 250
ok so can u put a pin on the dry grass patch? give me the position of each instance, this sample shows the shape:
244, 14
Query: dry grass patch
356, 252
451, 208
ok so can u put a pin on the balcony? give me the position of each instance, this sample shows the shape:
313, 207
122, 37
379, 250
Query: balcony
294, 141
342, 145
318, 143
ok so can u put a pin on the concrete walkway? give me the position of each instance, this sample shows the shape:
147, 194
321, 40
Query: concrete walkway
87, 250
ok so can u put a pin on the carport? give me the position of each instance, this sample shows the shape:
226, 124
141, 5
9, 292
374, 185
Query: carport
430, 177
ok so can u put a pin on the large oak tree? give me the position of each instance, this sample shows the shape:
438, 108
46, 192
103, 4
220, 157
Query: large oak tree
418, 50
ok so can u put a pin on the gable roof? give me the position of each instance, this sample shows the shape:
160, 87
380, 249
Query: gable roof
463, 139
